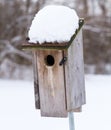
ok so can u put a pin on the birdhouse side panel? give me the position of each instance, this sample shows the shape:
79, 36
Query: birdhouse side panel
51, 83
74, 73
36, 84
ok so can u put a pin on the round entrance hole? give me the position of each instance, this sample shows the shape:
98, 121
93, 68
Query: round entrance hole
49, 60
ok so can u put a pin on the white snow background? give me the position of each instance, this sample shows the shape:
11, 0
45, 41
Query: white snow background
17, 110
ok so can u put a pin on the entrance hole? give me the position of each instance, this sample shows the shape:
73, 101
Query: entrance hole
49, 60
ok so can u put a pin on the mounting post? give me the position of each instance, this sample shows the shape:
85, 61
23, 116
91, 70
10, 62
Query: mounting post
71, 121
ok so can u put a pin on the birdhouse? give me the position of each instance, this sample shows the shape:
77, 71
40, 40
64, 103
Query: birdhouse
57, 62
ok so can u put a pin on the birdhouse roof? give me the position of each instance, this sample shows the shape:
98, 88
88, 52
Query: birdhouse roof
53, 27
53, 24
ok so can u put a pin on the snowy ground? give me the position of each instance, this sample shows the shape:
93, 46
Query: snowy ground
17, 110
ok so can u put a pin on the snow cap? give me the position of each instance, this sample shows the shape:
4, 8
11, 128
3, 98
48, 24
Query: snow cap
52, 24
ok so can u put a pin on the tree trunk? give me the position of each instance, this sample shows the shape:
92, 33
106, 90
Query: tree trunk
27, 6
103, 7
85, 7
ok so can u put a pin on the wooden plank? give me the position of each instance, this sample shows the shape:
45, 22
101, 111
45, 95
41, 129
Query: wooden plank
36, 84
51, 84
78, 109
74, 73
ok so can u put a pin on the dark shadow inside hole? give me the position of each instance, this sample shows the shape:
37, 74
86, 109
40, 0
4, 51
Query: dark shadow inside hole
49, 60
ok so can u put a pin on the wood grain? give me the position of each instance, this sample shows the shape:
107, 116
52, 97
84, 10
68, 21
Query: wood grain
36, 81
74, 74
51, 84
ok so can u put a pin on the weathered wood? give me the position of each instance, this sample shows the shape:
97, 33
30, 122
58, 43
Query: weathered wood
51, 84
36, 81
74, 74
77, 109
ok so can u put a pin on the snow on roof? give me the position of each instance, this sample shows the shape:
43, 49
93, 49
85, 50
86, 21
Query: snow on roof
53, 24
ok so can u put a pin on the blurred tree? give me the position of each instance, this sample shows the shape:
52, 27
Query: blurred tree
85, 4
16, 17
102, 4
28, 4
13, 26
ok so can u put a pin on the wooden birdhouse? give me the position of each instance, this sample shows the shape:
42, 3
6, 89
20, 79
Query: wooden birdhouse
58, 74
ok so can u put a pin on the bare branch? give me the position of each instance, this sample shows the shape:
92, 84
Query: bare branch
9, 49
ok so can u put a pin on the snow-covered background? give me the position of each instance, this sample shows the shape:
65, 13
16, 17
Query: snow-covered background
17, 110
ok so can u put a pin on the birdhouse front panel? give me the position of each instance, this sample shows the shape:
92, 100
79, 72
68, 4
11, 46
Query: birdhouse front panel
51, 83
